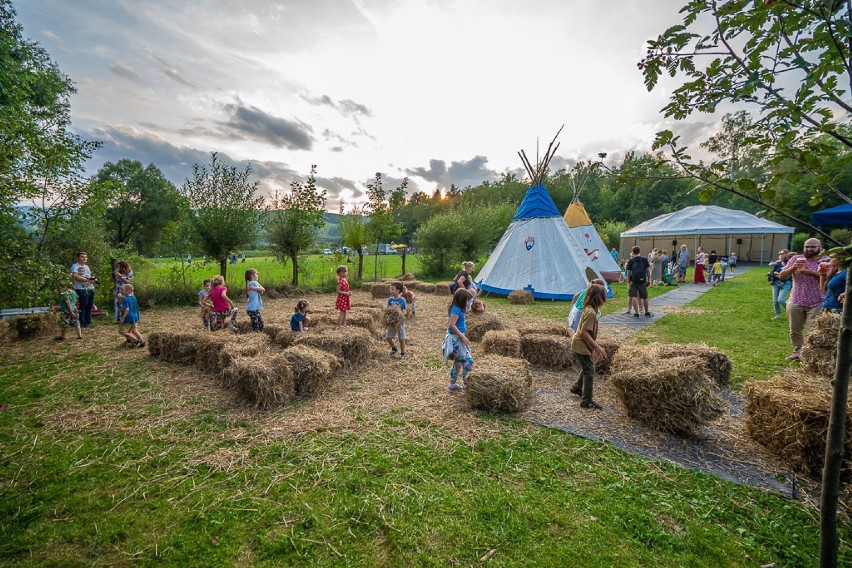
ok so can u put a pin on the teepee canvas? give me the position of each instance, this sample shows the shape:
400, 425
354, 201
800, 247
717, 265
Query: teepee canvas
584, 232
538, 251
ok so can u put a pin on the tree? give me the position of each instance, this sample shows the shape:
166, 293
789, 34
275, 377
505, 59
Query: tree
141, 202
353, 234
791, 60
224, 210
384, 212
297, 218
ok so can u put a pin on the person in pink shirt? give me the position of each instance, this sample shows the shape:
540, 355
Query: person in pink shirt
222, 305
805, 302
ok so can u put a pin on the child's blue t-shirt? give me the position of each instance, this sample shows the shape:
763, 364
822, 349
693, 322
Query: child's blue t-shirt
399, 302
255, 304
460, 323
295, 320
129, 304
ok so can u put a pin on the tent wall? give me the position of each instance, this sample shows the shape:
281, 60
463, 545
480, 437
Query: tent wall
752, 247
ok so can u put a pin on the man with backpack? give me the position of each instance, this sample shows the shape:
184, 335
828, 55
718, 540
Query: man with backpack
638, 274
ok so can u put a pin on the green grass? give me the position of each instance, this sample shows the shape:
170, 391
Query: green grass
129, 487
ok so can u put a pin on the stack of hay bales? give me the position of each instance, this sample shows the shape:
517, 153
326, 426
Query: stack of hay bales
521, 297
479, 324
249, 346
819, 353
426, 287
676, 395
209, 349
36, 325
502, 342
443, 288
351, 344
603, 367
547, 327
273, 329
180, 348
312, 368
500, 384
789, 415
551, 351
408, 277
717, 364
265, 381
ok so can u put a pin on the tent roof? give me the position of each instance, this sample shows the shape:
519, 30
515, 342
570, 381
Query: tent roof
840, 216
706, 220
537, 203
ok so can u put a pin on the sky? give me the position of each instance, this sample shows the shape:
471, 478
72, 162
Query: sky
440, 91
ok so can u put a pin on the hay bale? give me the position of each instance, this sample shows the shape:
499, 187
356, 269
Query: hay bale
379, 290
265, 381
546, 327
408, 277
243, 326
479, 324
393, 317
350, 344
273, 329
312, 368
520, 297
353, 318
603, 367
426, 287
819, 353
179, 348
155, 344
499, 384
552, 351
287, 337
677, 397
5, 332
209, 349
253, 345
718, 365
502, 342
789, 415
443, 288
44, 324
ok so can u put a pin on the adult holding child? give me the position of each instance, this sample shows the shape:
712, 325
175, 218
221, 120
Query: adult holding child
121, 275
806, 299
84, 287
463, 279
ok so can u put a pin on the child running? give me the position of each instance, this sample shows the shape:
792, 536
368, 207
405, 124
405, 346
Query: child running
397, 300
456, 344
343, 303
206, 312
68, 309
299, 321
584, 345
222, 305
255, 303
129, 321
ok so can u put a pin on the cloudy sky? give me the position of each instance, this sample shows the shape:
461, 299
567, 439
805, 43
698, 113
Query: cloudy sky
442, 91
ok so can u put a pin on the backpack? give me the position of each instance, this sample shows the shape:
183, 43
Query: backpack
638, 271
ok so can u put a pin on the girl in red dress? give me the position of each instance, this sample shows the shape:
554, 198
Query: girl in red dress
342, 305
699, 267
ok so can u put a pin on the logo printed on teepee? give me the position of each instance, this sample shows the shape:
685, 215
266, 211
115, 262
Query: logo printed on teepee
530, 242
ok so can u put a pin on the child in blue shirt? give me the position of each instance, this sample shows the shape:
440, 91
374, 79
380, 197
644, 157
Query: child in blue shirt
456, 344
397, 300
129, 319
299, 321
255, 302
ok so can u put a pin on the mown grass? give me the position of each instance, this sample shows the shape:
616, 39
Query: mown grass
131, 489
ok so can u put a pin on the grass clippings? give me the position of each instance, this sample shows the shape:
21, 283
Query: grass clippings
505, 342
500, 384
551, 351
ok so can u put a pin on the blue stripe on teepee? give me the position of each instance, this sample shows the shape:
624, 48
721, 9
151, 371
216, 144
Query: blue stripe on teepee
536, 204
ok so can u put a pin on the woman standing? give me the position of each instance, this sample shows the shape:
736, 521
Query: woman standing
463, 278
832, 282
121, 275
699, 267
780, 288
656, 267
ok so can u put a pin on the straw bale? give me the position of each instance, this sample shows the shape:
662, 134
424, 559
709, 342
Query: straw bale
677, 397
603, 367
789, 415
29, 326
273, 329
375, 313
312, 368
502, 342
520, 297
546, 327
208, 350
287, 337
479, 324
180, 348
155, 344
718, 365
5, 332
819, 353
408, 277
244, 326
353, 318
393, 317
351, 344
552, 351
380, 290
248, 346
443, 288
426, 287
499, 384
265, 381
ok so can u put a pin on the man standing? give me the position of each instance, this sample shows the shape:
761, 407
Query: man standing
638, 274
84, 286
806, 300
683, 258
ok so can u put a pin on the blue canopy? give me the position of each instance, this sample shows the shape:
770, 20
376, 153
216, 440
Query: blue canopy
840, 216
537, 204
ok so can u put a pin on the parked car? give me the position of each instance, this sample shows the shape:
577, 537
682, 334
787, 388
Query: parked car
326, 251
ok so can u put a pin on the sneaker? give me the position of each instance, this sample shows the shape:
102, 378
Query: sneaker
778, 317
455, 387
232, 327
402, 357
648, 314
636, 315
577, 391
591, 404
793, 357
59, 338
394, 351
627, 313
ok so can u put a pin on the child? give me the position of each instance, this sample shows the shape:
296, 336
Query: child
68, 309
732, 261
397, 300
411, 300
584, 345
456, 344
255, 302
716, 276
206, 312
130, 317
343, 303
299, 321
577, 308
222, 305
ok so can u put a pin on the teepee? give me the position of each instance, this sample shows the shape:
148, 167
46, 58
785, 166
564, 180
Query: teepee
538, 251
584, 232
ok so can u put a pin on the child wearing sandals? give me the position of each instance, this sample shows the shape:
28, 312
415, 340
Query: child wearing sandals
129, 319
585, 346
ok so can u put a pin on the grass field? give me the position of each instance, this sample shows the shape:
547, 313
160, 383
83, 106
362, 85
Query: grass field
112, 458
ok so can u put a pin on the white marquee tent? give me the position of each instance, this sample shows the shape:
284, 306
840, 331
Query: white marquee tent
713, 228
